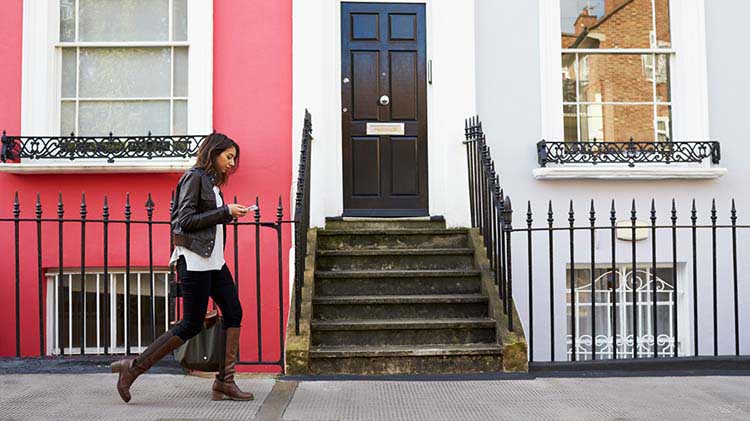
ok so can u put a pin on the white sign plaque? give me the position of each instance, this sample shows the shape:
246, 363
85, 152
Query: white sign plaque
625, 230
383, 129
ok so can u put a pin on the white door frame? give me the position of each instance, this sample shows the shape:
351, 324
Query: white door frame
317, 87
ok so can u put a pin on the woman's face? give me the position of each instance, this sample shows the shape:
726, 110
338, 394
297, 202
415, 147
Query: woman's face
225, 160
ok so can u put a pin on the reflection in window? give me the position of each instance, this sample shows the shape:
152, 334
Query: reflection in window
610, 91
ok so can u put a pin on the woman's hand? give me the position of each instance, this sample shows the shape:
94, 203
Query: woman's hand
237, 211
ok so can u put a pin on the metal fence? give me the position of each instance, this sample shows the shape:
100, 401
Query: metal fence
630, 153
108, 147
98, 306
632, 282
302, 216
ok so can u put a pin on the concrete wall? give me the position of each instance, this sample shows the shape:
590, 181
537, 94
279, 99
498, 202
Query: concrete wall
252, 93
509, 100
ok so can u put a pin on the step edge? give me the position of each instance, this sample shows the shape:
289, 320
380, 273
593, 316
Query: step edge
394, 299
406, 273
401, 324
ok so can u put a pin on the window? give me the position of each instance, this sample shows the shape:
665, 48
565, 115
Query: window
66, 307
613, 305
616, 75
123, 87
125, 66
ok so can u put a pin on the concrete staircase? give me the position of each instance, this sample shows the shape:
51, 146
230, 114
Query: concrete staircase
395, 297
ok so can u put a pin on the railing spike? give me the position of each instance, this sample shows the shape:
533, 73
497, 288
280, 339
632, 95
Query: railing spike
38, 205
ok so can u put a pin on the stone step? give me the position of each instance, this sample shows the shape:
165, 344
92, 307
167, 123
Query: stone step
403, 331
425, 359
404, 282
343, 239
394, 259
380, 223
400, 306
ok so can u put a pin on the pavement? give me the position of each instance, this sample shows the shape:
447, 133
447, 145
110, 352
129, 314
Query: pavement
623, 396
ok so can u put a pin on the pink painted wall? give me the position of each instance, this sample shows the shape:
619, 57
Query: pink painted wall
252, 104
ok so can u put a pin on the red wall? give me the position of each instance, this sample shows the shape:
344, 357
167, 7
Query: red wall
252, 104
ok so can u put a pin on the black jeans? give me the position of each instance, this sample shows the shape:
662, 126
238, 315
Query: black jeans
196, 288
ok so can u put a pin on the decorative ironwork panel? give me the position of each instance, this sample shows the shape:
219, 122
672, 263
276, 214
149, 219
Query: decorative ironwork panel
630, 153
99, 147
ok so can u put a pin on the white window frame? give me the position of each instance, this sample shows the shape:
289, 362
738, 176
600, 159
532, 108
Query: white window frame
41, 85
116, 282
606, 341
689, 92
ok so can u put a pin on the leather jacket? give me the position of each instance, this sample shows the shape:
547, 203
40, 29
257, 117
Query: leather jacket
195, 215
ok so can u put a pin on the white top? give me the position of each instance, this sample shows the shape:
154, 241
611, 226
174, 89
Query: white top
196, 262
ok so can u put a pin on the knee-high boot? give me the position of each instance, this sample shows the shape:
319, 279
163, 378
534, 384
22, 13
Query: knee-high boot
224, 384
129, 369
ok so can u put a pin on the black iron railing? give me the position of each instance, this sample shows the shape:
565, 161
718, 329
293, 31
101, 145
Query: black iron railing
81, 306
302, 217
490, 210
622, 280
108, 147
630, 153
630, 285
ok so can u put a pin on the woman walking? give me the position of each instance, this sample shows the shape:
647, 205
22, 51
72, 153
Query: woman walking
199, 234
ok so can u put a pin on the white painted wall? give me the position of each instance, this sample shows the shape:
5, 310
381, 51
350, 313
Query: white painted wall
450, 98
509, 100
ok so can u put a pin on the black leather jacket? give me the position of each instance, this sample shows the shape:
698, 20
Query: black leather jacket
195, 215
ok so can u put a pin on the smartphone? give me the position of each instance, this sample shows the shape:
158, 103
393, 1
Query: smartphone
251, 207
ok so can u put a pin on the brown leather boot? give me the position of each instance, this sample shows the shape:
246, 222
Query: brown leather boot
224, 384
129, 369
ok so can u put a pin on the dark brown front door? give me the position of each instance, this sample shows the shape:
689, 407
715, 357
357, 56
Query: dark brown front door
383, 81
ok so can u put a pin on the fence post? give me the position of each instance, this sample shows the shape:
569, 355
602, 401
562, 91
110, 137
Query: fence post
16, 221
40, 273
508, 228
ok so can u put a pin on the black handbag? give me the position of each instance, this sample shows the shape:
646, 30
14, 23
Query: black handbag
204, 351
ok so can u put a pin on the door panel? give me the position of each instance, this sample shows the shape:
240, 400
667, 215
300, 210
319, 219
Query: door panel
403, 85
366, 166
404, 164
383, 55
365, 85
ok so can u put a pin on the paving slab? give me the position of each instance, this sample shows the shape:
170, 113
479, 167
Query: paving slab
93, 396
621, 398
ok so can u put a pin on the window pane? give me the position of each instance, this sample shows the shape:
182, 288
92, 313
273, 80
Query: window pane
179, 24
67, 20
616, 78
570, 121
123, 118
664, 124
180, 72
569, 76
663, 78
609, 23
124, 20
68, 87
179, 125
125, 72
663, 36
617, 123
67, 118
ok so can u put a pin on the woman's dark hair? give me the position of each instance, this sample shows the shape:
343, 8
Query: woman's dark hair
212, 146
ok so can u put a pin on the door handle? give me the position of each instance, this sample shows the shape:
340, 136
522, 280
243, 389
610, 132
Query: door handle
384, 100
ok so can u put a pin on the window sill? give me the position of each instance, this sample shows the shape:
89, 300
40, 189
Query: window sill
67, 167
620, 173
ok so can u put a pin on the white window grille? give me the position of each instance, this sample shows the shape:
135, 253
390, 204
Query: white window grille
623, 283
66, 307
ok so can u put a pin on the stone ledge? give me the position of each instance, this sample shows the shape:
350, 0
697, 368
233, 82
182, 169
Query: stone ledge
75, 167
625, 173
